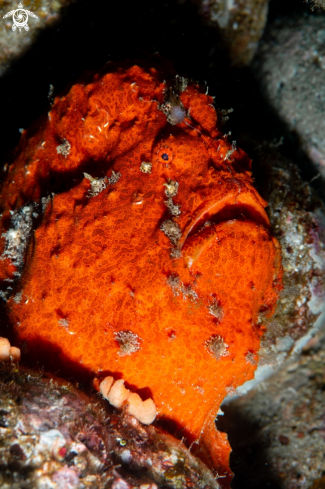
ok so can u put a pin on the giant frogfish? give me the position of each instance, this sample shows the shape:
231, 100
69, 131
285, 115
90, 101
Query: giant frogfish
135, 245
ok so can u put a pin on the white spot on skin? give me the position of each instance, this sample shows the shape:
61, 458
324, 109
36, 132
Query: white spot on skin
199, 389
230, 151
45, 201
174, 209
170, 191
17, 298
215, 310
181, 83
172, 230
251, 358
171, 188
97, 185
173, 107
217, 346
64, 148
179, 288
175, 253
146, 167
64, 322
176, 115
128, 342
17, 237
115, 176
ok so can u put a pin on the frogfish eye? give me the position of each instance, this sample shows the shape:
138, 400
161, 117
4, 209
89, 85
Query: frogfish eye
164, 156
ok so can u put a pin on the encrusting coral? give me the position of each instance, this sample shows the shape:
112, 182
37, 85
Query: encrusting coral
117, 283
56, 436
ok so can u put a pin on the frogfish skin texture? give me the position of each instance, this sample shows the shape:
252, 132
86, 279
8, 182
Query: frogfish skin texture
134, 244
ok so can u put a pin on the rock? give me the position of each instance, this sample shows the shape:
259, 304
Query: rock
240, 24
290, 66
318, 4
277, 430
297, 217
14, 43
54, 435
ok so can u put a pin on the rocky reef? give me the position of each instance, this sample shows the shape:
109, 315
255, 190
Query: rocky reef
277, 430
290, 66
54, 435
238, 24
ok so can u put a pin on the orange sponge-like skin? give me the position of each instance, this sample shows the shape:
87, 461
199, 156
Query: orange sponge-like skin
116, 281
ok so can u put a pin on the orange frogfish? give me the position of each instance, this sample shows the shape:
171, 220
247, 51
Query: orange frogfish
135, 245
